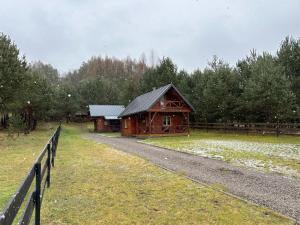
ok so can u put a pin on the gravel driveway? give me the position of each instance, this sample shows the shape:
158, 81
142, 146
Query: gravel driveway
273, 191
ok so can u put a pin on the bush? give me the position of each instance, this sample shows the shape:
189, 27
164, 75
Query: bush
16, 125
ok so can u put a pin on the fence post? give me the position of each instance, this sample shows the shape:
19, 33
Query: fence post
37, 194
48, 165
52, 150
54, 143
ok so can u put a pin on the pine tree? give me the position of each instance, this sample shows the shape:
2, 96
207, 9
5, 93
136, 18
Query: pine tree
267, 94
12, 75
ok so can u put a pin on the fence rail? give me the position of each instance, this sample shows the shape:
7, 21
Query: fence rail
264, 128
37, 173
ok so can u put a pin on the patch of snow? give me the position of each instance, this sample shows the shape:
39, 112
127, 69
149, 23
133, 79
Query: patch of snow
211, 148
216, 148
284, 170
291, 151
252, 163
260, 165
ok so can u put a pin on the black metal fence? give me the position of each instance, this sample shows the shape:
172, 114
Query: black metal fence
35, 198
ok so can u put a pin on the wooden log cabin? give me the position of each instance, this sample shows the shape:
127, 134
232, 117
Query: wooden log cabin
105, 117
161, 112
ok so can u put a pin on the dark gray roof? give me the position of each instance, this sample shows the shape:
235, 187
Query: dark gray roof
147, 100
106, 110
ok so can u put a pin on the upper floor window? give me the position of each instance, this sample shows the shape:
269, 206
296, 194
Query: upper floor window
167, 121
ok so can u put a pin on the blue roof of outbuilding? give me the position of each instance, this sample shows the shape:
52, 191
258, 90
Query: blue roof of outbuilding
105, 110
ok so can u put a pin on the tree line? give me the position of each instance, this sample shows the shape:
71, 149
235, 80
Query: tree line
259, 88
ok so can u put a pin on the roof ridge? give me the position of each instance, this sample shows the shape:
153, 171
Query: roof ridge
106, 105
154, 90
145, 101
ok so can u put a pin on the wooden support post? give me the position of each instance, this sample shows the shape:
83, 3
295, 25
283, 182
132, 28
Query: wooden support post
137, 125
48, 165
188, 118
277, 128
37, 196
150, 130
54, 141
52, 150
153, 116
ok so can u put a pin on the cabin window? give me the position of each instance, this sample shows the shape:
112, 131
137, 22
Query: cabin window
125, 123
105, 123
167, 121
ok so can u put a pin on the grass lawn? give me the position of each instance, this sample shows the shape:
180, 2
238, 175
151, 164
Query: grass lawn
17, 155
95, 184
267, 153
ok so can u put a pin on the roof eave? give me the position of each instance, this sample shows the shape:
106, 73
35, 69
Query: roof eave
131, 113
170, 86
189, 104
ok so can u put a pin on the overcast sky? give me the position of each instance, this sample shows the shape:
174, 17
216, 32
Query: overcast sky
66, 33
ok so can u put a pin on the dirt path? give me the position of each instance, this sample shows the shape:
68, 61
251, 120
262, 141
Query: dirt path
273, 191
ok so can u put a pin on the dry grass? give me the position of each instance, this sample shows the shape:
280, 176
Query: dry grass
95, 184
17, 156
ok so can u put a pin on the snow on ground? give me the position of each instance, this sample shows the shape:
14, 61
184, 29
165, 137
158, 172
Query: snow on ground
220, 149
291, 151
261, 165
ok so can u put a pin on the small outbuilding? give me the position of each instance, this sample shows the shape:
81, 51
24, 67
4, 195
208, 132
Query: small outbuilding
105, 117
161, 112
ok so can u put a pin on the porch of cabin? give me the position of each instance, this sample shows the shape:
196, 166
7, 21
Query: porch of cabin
156, 124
